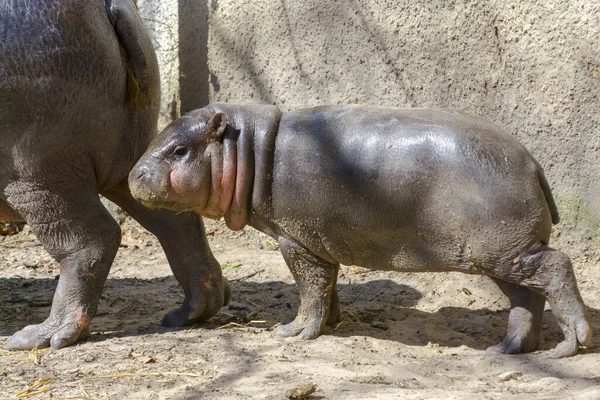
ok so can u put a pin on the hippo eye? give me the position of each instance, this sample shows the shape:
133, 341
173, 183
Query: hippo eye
180, 151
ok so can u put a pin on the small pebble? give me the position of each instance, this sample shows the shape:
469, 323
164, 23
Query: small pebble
301, 391
31, 264
510, 375
380, 325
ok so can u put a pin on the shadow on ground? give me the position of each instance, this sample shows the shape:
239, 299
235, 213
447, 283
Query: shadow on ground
379, 309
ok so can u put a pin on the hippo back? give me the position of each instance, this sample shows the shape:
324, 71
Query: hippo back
65, 91
437, 184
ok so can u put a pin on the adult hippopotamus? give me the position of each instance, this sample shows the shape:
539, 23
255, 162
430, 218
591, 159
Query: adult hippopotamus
79, 98
382, 188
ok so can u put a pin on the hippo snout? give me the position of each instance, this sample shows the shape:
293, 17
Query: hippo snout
148, 185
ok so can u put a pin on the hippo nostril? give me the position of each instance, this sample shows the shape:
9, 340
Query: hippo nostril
138, 173
137, 179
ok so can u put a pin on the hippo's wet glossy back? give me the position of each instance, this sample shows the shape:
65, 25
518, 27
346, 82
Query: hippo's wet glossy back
407, 187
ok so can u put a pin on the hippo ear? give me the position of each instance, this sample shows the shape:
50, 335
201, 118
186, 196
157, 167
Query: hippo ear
217, 125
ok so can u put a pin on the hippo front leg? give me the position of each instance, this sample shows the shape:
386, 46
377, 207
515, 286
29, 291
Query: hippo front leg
81, 235
184, 242
316, 280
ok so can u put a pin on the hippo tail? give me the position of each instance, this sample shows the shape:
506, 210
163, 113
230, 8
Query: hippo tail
137, 46
548, 195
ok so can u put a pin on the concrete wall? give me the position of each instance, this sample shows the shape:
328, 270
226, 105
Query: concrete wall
179, 29
532, 67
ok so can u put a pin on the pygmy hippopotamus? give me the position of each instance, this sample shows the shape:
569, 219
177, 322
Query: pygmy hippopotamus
381, 188
79, 98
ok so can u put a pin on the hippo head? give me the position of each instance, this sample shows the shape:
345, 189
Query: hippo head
182, 168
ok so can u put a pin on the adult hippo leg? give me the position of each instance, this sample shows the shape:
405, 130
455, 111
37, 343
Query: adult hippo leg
549, 273
316, 280
335, 314
524, 320
75, 228
183, 239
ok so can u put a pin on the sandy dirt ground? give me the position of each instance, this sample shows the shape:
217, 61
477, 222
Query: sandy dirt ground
414, 336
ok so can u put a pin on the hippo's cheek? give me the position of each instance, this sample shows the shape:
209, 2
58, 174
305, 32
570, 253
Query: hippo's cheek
177, 185
186, 189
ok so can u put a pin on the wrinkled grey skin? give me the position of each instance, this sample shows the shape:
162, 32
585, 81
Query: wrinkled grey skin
79, 97
382, 188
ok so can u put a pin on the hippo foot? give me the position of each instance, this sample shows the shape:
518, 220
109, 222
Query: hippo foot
178, 317
551, 277
578, 333
306, 328
524, 320
47, 334
196, 309
515, 343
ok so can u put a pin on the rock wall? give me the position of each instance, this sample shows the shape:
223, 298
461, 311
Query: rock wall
532, 67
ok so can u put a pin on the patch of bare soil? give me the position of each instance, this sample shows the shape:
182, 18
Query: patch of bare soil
414, 336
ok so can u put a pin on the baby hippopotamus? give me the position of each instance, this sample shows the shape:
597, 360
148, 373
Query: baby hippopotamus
382, 188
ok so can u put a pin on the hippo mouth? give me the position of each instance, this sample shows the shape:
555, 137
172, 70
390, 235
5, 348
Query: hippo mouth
172, 206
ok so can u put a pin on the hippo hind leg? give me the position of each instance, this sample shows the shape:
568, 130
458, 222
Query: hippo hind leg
81, 235
316, 280
524, 320
549, 273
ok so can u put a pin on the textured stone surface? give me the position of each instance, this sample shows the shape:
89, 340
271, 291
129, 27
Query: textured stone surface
180, 33
161, 17
532, 67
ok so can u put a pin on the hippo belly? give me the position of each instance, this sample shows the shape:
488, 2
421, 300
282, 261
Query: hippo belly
406, 189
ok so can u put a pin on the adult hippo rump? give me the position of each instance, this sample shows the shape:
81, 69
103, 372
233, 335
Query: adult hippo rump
79, 98
382, 188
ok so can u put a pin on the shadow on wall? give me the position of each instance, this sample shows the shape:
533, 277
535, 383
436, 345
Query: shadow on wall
486, 58
193, 54
538, 80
